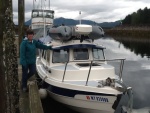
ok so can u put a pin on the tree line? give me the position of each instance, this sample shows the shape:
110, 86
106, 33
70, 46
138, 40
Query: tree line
141, 17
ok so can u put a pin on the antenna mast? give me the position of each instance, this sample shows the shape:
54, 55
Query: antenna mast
33, 5
41, 4
80, 17
49, 4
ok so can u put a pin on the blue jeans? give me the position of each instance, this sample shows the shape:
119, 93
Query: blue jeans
27, 72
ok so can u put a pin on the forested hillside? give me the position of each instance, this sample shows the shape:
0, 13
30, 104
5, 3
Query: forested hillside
141, 17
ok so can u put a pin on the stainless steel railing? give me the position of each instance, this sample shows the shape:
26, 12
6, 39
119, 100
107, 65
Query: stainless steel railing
91, 62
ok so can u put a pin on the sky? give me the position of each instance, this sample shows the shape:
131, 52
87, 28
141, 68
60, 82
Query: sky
95, 10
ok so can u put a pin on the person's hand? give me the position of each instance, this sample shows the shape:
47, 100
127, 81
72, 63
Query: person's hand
50, 44
53, 44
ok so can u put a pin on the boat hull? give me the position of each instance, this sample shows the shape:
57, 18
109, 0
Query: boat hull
82, 105
83, 101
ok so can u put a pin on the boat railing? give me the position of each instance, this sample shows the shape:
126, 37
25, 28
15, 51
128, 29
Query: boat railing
91, 62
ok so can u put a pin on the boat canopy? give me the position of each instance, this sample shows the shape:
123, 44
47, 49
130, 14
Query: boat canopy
79, 46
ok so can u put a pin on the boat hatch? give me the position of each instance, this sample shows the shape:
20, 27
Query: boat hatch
87, 64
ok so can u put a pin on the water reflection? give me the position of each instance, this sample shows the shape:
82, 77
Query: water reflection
137, 65
138, 46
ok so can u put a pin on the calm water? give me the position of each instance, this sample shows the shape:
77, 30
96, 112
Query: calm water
136, 71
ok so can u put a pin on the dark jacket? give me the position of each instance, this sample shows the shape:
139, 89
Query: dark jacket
28, 51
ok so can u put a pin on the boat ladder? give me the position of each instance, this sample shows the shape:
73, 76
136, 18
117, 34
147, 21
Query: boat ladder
129, 108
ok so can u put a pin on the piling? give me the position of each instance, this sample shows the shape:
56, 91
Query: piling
34, 98
21, 20
2, 78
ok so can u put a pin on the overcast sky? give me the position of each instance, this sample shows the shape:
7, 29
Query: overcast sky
95, 10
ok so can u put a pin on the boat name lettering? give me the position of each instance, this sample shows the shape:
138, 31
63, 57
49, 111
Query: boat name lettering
97, 98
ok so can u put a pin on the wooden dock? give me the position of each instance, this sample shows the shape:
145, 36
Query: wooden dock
29, 102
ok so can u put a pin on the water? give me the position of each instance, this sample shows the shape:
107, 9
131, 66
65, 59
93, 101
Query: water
136, 71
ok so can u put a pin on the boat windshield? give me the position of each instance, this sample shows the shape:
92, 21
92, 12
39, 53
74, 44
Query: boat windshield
98, 54
40, 13
81, 54
60, 56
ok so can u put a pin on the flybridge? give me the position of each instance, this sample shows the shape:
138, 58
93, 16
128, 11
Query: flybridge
42, 17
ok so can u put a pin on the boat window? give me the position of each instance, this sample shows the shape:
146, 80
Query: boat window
40, 13
50, 15
35, 14
44, 14
81, 54
60, 56
98, 54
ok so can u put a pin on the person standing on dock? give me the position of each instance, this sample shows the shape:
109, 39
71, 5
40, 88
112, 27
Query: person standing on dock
28, 57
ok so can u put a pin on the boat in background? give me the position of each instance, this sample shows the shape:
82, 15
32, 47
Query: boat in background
75, 71
42, 18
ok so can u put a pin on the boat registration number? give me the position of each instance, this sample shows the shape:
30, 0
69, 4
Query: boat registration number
97, 98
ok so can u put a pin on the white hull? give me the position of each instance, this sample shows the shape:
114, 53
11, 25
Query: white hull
82, 105
85, 85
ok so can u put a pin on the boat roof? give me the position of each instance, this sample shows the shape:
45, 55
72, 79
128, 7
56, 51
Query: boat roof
75, 46
43, 10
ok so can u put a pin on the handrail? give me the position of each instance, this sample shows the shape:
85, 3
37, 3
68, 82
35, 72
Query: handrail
121, 68
65, 71
95, 60
120, 74
89, 73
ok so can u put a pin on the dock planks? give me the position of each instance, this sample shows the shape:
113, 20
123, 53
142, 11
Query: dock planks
29, 102
34, 98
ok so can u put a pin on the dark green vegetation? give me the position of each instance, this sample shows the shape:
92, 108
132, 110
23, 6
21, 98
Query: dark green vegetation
129, 31
139, 46
134, 25
141, 17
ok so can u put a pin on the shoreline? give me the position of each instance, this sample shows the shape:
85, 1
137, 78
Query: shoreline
132, 31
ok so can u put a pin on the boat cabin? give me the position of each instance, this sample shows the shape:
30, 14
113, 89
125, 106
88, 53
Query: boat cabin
76, 53
77, 58
41, 17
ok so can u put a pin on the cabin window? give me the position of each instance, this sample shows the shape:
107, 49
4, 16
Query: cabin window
60, 56
98, 54
50, 15
81, 54
40, 13
34, 14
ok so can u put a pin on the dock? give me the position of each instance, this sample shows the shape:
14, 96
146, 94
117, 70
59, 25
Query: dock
29, 102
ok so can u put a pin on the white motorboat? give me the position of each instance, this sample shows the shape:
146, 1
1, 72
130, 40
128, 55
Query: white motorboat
42, 18
77, 73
